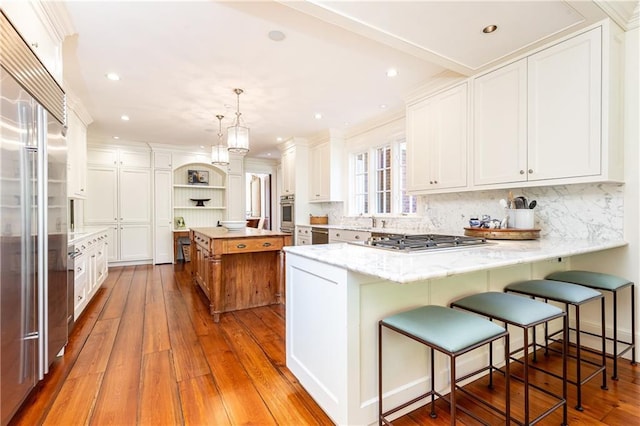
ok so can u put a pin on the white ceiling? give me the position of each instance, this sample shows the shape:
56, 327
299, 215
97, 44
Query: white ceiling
179, 61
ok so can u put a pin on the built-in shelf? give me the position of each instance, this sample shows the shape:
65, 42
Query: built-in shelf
184, 193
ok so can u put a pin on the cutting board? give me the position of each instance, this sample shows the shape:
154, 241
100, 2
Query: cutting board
503, 234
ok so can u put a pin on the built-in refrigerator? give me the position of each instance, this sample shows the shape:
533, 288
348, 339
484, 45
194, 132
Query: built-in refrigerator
33, 218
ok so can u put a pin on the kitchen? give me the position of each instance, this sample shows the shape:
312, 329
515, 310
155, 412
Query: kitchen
604, 210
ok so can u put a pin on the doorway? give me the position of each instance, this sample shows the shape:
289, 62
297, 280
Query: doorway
258, 202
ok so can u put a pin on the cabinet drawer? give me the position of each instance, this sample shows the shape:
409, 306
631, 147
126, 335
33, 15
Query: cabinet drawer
201, 241
348, 235
246, 245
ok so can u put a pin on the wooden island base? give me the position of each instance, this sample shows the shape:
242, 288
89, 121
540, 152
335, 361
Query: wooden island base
238, 269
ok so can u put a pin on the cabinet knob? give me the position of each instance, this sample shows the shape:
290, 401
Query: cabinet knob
266, 245
521, 172
357, 237
34, 45
530, 171
337, 235
241, 246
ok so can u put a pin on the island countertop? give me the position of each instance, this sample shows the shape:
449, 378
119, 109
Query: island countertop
222, 232
409, 267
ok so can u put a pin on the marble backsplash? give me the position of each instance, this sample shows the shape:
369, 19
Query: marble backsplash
591, 211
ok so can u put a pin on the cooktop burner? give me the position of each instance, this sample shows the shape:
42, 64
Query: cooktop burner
422, 242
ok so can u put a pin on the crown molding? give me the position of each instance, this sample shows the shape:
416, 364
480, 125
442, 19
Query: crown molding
623, 13
55, 18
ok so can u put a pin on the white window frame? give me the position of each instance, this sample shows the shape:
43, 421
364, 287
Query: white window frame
395, 144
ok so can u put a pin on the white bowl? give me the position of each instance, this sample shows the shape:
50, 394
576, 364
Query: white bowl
233, 224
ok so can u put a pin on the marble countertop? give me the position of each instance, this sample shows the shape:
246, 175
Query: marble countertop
222, 232
416, 266
385, 230
79, 234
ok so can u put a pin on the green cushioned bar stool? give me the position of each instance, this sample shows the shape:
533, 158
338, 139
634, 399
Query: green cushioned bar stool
576, 296
527, 314
450, 332
613, 284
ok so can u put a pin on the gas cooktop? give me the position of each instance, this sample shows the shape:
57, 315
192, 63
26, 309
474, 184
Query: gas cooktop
422, 242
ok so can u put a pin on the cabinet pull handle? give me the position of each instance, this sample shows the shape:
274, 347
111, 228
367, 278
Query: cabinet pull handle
357, 237
337, 235
530, 170
266, 245
521, 172
241, 246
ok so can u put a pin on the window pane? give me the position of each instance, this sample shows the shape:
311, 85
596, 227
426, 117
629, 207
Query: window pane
361, 183
383, 180
408, 201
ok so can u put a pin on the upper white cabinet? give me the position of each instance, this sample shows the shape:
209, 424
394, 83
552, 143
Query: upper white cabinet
500, 125
38, 22
437, 141
288, 160
565, 108
77, 122
325, 165
552, 117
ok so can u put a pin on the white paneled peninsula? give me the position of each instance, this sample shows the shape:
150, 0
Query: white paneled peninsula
336, 294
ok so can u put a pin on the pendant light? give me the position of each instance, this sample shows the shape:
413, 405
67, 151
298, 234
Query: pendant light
238, 135
219, 152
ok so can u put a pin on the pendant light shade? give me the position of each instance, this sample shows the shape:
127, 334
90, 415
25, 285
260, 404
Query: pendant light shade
219, 152
238, 135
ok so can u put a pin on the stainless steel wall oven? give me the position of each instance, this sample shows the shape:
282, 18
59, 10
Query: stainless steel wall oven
287, 213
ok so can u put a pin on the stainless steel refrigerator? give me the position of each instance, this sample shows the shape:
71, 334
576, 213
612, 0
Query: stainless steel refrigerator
33, 220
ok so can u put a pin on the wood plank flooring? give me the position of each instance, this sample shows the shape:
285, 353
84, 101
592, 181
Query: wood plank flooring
146, 351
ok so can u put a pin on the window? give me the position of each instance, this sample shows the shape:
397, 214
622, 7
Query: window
361, 180
386, 192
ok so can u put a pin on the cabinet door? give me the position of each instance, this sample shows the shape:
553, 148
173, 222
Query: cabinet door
76, 156
102, 157
102, 195
163, 222
288, 171
135, 159
135, 195
320, 172
235, 197
113, 243
420, 136
80, 285
437, 141
449, 153
565, 108
162, 160
500, 125
135, 242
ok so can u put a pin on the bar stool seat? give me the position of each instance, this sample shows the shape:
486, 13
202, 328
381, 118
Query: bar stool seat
575, 295
524, 313
448, 331
613, 284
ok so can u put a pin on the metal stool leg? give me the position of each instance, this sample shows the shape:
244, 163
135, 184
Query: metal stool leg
604, 345
452, 395
633, 325
433, 386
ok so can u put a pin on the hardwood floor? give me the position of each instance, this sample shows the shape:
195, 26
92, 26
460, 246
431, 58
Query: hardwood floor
146, 351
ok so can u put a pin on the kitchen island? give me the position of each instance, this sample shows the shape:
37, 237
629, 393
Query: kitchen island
238, 269
337, 293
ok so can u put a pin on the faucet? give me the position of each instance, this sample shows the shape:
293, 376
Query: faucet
374, 222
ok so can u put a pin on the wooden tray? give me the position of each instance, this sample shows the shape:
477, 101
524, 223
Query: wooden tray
503, 234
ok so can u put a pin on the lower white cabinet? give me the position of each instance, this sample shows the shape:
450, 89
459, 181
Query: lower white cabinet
303, 235
89, 268
346, 235
131, 242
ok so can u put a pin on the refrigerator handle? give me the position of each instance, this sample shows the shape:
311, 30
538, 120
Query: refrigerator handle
28, 283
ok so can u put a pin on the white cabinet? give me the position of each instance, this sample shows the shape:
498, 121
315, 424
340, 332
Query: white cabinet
119, 196
77, 152
90, 268
163, 217
346, 235
500, 125
36, 22
325, 165
545, 119
162, 160
303, 235
437, 141
236, 200
564, 88
288, 160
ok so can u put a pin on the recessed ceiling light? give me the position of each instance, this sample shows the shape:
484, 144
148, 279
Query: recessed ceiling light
318, 116
392, 72
116, 137
489, 29
201, 146
279, 139
124, 117
276, 35
268, 154
383, 106
346, 123
112, 76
